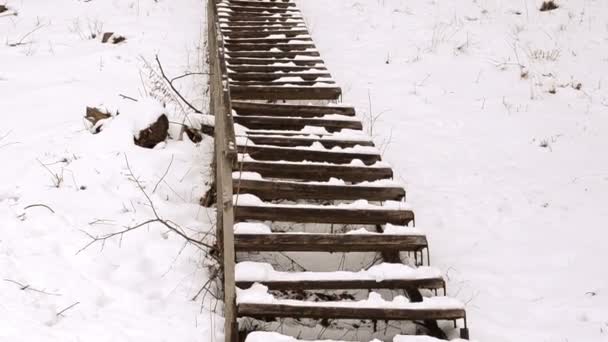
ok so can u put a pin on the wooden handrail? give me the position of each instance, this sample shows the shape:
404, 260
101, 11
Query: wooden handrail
225, 159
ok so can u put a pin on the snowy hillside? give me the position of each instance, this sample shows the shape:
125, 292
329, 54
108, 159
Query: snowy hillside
61, 184
495, 114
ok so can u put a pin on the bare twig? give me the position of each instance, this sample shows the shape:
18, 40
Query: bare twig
170, 83
20, 42
24, 287
173, 227
39, 205
128, 97
60, 313
164, 175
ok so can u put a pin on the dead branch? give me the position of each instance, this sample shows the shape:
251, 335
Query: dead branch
20, 42
128, 97
39, 205
170, 83
164, 175
24, 287
60, 313
170, 225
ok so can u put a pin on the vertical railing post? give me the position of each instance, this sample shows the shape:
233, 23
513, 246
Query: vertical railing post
225, 155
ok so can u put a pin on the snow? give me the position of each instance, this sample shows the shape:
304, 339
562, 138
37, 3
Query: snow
258, 294
258, 271
360, 204
60, 182
509, 180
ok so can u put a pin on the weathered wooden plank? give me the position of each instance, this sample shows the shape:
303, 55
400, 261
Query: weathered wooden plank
267, 76
263, 27
275, 68
269, 190
319, 312
284, 93
273, 109
252, 16
300, 154
253, 19
286, 24
316, 172
283, 242
272, 54
393, 284
266, 33
270, 61
322, 215
270, 3
287, 141
268, 47
295, 124
257, 9
282, 83
239, 41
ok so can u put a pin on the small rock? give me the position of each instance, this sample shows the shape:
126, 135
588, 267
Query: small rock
94, 115
106, 37
154, 134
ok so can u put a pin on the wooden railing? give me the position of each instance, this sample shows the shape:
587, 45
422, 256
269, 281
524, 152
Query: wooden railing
225, 159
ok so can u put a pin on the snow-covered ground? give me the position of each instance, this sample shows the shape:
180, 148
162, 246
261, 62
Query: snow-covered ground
495, 114
137, 287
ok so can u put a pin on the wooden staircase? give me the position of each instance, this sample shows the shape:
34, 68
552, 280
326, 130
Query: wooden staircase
289, 174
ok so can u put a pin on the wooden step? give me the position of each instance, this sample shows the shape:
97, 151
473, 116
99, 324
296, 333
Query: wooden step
302, 154
271, 54
253, 16
257, 9
316, 172
254, 19
262, 34
277, 69
282, 4
274, 190
267, 76
287, 141
270, 61
240, 41
295, 124
418, 278
329, 215
240, 92
267, 336
271, 109
282, 83
283, 23
263, 311
262, 27
268, 47
285, 242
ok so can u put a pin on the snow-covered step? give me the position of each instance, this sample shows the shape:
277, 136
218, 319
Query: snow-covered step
276, 68
339, 156
381, 276
295, 141
282, 23
265, 40
305, 54
310, 171
257, 76
267, 109
248, 207
296, 124
254, 236
280, 4
256, 9
295, 47
318, 91
252, 16
256, 302
299, 83
275, 190
276, 33
272, 336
